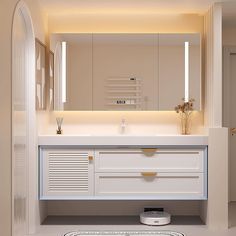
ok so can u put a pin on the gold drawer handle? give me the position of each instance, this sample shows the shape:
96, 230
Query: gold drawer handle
90, 158
149, 151
149, 174
233, 131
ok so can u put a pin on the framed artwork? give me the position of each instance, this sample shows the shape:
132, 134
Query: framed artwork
51, 80
40, 74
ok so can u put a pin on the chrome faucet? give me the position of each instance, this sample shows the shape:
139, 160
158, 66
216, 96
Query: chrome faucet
123, 126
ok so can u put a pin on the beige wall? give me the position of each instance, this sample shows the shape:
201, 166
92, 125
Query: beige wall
6, 17
118, 23
6, 12
138, 123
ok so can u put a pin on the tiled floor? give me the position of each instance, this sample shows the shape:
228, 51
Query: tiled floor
190, 226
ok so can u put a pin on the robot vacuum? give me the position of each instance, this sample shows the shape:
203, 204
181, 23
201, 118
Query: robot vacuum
155, 218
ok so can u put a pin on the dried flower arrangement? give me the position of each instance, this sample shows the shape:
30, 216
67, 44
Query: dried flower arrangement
185, 110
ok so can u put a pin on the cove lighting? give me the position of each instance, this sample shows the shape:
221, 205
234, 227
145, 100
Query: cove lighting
63, 71
186, 73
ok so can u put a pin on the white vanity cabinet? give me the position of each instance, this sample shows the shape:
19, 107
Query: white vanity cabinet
125, 173
152, 173
66, 173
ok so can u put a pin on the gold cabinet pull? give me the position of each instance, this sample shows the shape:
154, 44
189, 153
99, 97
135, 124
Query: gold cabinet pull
149, 151
148, 174
233, 131
90, 158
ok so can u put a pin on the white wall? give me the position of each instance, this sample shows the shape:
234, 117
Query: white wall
215, 209
213, 67
6, 14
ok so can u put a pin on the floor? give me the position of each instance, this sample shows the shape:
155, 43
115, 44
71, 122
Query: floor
190, 225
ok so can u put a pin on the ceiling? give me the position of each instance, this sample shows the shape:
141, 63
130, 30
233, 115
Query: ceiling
126, 6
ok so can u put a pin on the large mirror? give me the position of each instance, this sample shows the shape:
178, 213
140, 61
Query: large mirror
127, 72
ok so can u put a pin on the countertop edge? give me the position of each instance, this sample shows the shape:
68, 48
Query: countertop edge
87, 141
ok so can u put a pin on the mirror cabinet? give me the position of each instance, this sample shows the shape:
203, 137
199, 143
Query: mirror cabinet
128, 72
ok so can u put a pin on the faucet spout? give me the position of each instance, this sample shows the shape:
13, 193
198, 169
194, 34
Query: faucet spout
123, 126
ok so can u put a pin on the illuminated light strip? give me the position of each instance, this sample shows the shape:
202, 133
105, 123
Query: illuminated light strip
63, 71
186, 71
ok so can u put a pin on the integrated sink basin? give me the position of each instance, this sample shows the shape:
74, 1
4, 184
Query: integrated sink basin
123, 140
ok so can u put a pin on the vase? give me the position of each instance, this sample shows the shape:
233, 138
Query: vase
185, 123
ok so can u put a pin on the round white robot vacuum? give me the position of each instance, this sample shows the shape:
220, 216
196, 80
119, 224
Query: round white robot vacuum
155, 218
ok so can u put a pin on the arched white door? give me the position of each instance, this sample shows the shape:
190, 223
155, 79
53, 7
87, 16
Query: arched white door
23, 115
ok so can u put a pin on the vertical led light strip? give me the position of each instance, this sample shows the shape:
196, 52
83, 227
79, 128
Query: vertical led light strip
186, 73
63, 71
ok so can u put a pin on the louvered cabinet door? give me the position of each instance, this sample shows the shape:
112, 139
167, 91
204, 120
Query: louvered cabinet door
66, 174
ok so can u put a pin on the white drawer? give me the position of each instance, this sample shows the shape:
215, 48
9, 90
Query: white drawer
161, 185
161, 160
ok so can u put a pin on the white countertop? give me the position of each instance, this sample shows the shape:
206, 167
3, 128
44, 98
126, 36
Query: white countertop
122, 140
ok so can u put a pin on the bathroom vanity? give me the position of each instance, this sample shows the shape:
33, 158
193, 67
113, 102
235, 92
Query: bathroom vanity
123, 167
